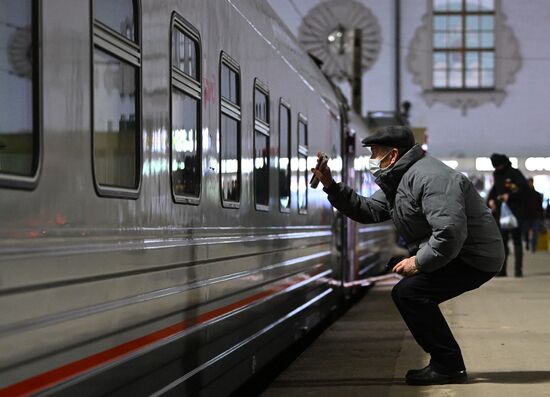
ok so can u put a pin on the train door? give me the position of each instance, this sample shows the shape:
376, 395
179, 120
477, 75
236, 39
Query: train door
336, 154
343, 227
351, 226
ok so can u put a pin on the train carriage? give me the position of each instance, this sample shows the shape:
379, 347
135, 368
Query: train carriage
159, 235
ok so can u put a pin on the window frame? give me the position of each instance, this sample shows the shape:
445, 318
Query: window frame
26, 182
283, 104
263, 128
234, 111
114, 44
302, 151
463, 13
189, 86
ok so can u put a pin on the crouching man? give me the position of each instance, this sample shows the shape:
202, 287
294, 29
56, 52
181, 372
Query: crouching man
453, 240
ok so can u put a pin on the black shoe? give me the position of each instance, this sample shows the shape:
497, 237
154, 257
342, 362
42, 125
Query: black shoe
414, 372
429, 376
519, 274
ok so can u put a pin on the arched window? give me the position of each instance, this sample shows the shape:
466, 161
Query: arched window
463, 44
284, 155
261, 146
463, 54
186, 142
116, 93
230, 132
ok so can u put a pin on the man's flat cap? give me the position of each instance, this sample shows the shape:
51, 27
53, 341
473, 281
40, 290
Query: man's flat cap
396, 136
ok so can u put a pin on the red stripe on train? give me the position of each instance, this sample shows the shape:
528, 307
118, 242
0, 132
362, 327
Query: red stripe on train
56, 376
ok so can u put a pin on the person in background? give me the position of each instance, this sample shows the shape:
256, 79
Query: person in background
534, 215
509, 187
547, 217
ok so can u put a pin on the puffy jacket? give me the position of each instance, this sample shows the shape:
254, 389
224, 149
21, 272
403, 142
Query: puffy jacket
435, 209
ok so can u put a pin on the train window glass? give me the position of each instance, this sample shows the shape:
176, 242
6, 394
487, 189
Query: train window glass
261, 168
115, 109
261, 146
302, 183
230, 133
185, 160
116, 83
230, 158
184, 53
185, 143
119, 15
19, 141
302, 165
284, 157
229, 84
302, 134
260, 105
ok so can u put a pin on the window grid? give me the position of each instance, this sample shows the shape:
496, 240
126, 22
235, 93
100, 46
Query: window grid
113, 174
186, 126
463, 45
230, 120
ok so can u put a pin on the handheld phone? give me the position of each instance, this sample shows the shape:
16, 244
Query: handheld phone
314, 182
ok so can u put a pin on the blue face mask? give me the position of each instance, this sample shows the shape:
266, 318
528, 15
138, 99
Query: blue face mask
374, 165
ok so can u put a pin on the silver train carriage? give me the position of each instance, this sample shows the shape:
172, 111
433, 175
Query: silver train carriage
158, 233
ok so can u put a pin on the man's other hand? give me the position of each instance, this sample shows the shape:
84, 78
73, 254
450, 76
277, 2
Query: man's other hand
323, 173
407, 267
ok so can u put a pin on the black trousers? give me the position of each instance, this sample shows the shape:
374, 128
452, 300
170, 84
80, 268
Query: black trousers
518, 249
418, 297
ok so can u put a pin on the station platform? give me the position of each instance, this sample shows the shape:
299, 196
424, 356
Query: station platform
503, 329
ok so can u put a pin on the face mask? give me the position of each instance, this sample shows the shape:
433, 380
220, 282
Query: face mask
374, 165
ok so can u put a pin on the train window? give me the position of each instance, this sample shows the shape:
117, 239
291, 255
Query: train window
230, 133
229, 84
115, 140
261, 146
185, 53
302, 134
116, 104
284, 156
118, 15
185, 159
19, 110
261, 103
302, 164
230, 164
185, 142
261, 170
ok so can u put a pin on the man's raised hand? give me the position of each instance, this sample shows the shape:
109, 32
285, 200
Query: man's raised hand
322, 171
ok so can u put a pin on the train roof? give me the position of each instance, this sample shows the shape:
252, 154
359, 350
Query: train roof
267, 24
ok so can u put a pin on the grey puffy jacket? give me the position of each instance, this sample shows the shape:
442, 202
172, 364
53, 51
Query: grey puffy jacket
435, 209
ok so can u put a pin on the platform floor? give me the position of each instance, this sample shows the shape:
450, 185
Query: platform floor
503, 329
